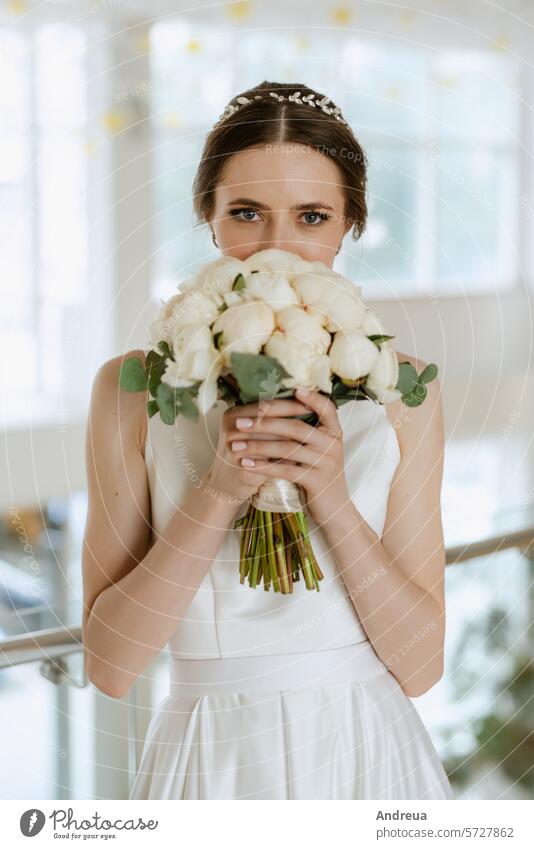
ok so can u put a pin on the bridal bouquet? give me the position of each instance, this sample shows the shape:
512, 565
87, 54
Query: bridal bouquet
250, 330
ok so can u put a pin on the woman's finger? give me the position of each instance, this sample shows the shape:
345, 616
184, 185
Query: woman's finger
286, 449
273, 407
325, 408
287, 428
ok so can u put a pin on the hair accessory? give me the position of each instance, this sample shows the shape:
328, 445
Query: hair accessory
306, 100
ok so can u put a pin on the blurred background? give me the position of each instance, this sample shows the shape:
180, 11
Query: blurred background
104, 107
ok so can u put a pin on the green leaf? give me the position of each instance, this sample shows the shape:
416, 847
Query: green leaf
165, 401
133, 376
378, 338
416, 397
217, 338
239, 283
165, 349
185, 403
407, 378
152, 408
429, 373
155, 374
256, 372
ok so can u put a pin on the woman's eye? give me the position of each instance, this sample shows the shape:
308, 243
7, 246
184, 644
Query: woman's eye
319, 216
244, 211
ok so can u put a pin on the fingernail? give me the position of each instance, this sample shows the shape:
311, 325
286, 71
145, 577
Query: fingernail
243, 423
248, 461
238, 446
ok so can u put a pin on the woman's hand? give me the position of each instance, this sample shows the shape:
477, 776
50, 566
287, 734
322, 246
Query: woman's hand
228, 477
273, 445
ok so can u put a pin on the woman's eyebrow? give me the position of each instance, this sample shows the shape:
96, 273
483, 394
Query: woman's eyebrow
314, 204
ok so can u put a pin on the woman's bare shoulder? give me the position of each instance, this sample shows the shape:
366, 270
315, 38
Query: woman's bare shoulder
127, 408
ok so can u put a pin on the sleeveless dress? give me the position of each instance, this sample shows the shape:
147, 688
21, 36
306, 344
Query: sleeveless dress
280, 696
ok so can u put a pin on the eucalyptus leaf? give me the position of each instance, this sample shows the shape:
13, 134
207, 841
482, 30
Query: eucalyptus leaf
155, 373
165, 401
152, 408
133, 376
257, 375
407, 378
429, 373
416, 397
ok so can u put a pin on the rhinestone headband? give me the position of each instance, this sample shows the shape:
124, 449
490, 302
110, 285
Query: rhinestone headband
307, 100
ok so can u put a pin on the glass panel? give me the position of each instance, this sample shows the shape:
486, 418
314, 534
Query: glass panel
60, 77
385, 254
14, 81
474, 97
475, 221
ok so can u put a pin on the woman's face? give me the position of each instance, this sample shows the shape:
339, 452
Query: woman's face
285, 196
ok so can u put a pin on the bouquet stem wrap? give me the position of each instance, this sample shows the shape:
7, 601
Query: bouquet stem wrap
275, 544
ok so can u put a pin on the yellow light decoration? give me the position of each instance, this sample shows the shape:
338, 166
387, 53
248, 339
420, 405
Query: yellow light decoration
341, 15
393, 93
446, 82
502, 42
114, 121
17, 7
193, 46
239, 9
142, 43
302, 44
172, 120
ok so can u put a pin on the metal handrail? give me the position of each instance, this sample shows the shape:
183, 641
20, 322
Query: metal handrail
63, 640
39, 645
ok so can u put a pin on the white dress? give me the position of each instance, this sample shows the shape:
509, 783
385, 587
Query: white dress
278, 696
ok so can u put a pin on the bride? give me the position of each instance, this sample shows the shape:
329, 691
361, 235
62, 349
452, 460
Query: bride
272, 696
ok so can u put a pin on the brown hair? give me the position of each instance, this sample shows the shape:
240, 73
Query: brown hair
269, 121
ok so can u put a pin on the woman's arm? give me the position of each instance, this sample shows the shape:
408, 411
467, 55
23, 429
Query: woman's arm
396, 582
133, 596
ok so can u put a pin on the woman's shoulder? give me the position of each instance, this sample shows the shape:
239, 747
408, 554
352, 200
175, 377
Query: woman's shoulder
129, 408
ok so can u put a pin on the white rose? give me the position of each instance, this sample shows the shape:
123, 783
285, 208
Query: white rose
338, 307
245, 328
384, 376
194, 356
306, 365
352, 355
271, 287
217, 277
275, 260
297, 322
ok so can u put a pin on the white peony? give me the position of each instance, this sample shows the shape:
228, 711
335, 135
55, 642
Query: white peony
338, 280
217, 277
297, 322
276, 260
194, 356
384, 376
338, 307
307, 366
271, 287
372, 324
352, 355
245, 328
